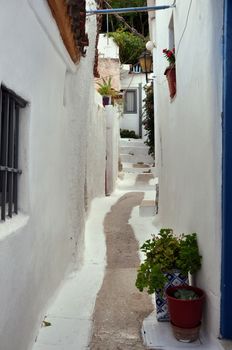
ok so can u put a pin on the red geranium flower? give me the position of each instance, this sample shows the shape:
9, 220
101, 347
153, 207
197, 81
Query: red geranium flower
170, 55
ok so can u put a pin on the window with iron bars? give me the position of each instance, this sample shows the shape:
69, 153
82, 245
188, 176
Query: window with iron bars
10, 106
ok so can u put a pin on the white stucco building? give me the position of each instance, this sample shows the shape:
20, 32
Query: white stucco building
188, 152
108, 61
61, 155
125, 78
132, 85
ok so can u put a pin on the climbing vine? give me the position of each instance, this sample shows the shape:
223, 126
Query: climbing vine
148, 120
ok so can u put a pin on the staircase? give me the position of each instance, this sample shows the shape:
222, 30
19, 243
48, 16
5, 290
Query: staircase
135, 159
134, 155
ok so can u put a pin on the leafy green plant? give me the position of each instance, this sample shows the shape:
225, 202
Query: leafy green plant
137, 20
189, 259
170, 56
125, 133
164, 253
130, 46
148, 120
185, 294
105, 87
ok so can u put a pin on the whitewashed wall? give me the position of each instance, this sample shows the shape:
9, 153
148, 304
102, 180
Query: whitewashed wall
112, 147
108, 61
96, 150
188, 135
36, 246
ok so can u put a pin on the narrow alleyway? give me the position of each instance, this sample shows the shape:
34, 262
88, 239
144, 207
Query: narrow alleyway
120, 308
98, 307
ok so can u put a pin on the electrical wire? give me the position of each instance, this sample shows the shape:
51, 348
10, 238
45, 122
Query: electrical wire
181, 37
163, 80
173, 4
185, 27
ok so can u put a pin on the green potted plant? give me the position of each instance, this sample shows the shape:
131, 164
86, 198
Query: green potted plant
185, 305
167, 261
105, 89
170, 71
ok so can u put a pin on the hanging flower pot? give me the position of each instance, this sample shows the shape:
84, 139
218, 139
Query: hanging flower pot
170, 73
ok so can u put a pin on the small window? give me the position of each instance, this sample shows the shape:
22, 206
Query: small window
130, 102
10, 106
136, 68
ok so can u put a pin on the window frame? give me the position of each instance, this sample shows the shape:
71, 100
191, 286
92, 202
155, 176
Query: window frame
10, 106
135, 104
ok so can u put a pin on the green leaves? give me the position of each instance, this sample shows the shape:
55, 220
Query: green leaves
105, 88
164, 253
185, 294
148, 115
189, 258
137, 20
130, 46
150, 277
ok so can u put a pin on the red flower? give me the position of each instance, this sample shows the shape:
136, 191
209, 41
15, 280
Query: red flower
169, 55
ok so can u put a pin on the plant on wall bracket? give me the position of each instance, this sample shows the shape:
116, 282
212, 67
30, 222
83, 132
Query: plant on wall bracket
170, 71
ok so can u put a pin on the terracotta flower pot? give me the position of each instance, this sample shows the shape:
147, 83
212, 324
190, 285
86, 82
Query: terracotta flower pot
170, 73
185, 313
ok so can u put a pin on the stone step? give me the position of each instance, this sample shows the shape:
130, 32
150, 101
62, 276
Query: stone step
131, 158
147, 208
139, 148
131, 143
138, 151
135, 168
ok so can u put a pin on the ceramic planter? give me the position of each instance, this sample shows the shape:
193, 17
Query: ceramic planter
185, 315
106, 100
170, 73
175, 278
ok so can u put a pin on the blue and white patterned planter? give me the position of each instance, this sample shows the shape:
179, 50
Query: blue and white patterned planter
175, 278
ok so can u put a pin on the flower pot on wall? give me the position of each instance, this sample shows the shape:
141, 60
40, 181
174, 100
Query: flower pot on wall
106, 100
170, 73
185, 313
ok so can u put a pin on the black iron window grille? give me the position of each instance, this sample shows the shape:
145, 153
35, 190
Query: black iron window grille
10, 106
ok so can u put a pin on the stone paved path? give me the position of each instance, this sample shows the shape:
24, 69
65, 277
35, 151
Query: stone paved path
120, 308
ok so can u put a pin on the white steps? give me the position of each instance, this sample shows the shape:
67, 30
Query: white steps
147, 208
134, 151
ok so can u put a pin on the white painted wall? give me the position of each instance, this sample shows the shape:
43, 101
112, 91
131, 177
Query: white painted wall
108, 62
107, 48
188, 135
96, 150
112, 147
60, 129
131, 82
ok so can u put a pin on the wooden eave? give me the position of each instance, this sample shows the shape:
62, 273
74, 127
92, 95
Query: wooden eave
70, 18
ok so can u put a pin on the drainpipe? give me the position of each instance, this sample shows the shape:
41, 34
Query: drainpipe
226, 273
129, 9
